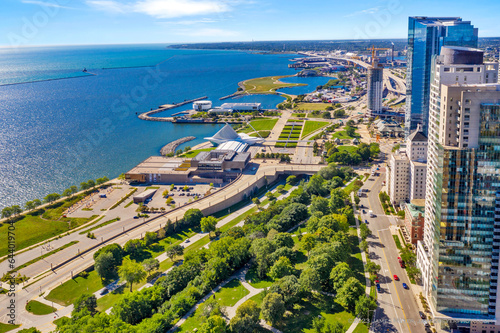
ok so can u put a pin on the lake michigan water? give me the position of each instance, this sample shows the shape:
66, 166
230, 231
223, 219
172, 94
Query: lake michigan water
60, 126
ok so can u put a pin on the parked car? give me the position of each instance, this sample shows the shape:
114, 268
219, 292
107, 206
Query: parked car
136, 217
188, 241
104, 291
364, 212
396, 277
422, 315
366, 221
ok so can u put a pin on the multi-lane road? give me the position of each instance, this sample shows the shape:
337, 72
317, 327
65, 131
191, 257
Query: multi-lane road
398, 310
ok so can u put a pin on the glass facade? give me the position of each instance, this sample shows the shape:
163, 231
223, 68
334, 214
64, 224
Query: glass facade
466, 222
426, 36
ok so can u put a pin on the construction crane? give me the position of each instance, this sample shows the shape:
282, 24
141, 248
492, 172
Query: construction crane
374, 50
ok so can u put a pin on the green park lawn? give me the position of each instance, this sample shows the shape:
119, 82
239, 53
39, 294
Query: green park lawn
267, 85
343, 135
263, 134
7, 327
231, 293
35, 228
349, 149
39, 309
67, 293
311, 126
312, 106
298, 115
254, 280
193, 153
263, 124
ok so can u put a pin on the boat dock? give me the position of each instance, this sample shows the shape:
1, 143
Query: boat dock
165, 107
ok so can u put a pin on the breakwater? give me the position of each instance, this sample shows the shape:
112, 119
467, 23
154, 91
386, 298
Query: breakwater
170, 148
161, 108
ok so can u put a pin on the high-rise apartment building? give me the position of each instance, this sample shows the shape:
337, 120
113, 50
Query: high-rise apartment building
458, 256
426, 36
375, 88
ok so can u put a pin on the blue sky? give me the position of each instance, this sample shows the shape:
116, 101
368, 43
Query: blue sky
56, 22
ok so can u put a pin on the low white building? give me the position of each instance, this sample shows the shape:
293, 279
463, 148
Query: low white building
202, 105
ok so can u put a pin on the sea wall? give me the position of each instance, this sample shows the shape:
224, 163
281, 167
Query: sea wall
170, 148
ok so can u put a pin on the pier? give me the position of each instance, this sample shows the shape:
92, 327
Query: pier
170, 148
166, 107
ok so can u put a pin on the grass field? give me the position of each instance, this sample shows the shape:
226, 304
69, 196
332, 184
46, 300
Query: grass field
263, 124
39, 309
267, 85
255, 281
231, 293
99, 226
311, 126
312, 106
349, 149
343, 135
298, 115
67, 293
193, 153
7, 327
35, 228
263, 134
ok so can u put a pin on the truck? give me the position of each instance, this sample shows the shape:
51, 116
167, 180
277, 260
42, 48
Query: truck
370, 213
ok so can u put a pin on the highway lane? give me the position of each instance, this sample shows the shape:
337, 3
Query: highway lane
398, 310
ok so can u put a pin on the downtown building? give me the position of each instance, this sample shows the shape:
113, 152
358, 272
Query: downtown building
426, 36
375, 88
407, 169
458, 256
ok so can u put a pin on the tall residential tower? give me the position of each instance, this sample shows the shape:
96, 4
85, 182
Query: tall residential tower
458, 256
426, 36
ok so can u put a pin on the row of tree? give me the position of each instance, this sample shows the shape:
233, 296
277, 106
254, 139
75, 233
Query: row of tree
15, 210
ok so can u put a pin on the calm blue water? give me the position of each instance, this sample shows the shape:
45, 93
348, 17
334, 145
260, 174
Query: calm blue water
54, 134
312, 82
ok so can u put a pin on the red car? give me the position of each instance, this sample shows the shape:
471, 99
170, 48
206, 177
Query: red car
396, 278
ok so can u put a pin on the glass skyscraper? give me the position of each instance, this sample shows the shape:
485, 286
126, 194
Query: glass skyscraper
426, 36
459, 254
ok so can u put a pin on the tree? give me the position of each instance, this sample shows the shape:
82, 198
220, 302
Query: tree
90, 183
132, 272
282, 267
256, 201
280, 188
85, 302
262, 248
350, 293
208, 224
372, 267
7, 212
150, 238
150, 265
338, 199
319, 204
51, 197
283, 239
214, 324
363, 245
273, 308
364, 231
100, 181
115, 249
246, 319
291, 180
193, 216
270, 196
165, 193
172, 187
363, 307
105, 265
36, 203
340, 274
310, 279
308, 242
66, 192
288, 287
133, 246
413, 272
350, 131
30, 330
174, 250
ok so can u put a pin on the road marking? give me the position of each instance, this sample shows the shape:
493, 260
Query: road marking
395, 287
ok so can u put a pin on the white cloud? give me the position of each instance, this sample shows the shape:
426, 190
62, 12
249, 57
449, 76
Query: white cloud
372, 10
44, 3
164, 8
109, 6
188, 22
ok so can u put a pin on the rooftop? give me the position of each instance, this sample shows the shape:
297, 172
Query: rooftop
416, 207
